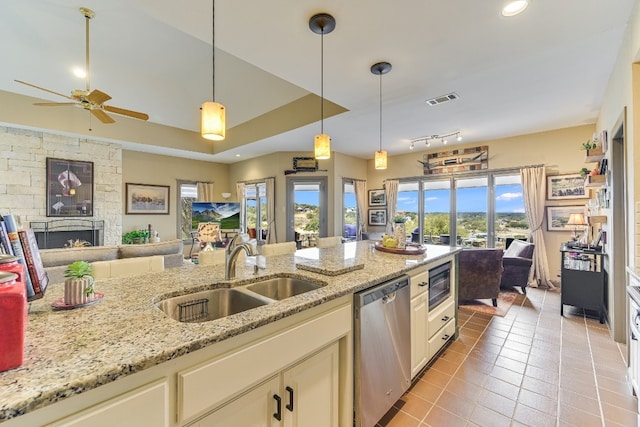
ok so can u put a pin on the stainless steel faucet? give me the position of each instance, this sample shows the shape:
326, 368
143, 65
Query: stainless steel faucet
231, 256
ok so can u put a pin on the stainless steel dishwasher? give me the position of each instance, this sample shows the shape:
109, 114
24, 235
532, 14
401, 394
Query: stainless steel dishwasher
382, 348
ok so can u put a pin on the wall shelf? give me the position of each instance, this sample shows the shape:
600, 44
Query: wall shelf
594, 180
594, 155
596, 219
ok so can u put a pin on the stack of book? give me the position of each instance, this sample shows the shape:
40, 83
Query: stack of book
21, 243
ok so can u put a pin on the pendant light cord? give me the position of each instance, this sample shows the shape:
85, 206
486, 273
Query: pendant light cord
380, 98
213, 50
322, 82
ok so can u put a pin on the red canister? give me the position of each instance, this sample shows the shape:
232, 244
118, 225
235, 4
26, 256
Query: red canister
13, 313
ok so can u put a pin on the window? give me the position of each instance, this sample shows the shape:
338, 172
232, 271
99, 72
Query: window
349, 210
187, 194
255, 208
488, 207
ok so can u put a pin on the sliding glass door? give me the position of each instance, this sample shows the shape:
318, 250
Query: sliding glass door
306, 210
475, 210
471, 212
437, 210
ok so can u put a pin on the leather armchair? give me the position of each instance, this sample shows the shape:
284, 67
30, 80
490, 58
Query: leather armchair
517, 261
479, 274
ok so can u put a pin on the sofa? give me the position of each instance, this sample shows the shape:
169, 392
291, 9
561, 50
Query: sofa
55, 261
479, 274
517, 261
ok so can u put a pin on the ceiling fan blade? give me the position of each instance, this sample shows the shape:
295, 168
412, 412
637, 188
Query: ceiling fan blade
54, 104
102, 116
122, 111
41, 88
98, 97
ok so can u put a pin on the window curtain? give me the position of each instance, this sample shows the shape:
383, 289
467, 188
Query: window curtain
240, 198
271, 209
205, 191
534, 193
361, 203
391, 191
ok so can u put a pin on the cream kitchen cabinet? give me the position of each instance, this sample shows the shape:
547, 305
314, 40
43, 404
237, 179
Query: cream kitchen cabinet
290, 355
307, 394
419, 314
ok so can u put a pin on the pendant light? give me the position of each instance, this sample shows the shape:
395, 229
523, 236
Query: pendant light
380, 160
213, 113
322, 23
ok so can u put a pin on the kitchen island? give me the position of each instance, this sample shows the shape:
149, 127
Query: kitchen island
76, 359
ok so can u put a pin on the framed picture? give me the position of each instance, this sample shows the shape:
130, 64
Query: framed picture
561, 187
558, 216
69, 188
377, 198
377, 217
145, 199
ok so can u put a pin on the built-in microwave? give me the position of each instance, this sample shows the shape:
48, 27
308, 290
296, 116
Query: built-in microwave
439, 284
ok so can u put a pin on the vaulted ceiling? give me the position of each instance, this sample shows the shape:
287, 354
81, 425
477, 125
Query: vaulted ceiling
544, 69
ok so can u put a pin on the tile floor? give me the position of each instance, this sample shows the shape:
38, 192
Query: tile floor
529, 368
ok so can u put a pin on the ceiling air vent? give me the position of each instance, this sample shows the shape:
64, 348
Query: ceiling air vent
442, 99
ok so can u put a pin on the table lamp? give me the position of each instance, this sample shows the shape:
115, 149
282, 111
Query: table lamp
208, 232
576, 219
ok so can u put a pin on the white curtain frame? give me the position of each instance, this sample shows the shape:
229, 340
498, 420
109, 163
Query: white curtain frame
360, 188
205, 191
391, 191
271, 209
534, 192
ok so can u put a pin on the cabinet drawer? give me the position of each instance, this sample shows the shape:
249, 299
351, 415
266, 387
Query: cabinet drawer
441, 337
440, 316
419, 283
147, 405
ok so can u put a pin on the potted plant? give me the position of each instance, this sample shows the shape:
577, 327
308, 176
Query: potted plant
79, 283
399, 232
135, 237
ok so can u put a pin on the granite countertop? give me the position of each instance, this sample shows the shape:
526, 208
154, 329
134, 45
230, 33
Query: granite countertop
68, 352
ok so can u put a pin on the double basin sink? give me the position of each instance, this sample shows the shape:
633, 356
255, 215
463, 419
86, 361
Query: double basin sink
212, 304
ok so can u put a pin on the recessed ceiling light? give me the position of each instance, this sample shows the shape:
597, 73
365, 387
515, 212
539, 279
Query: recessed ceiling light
514, 7
237, 155
80, 73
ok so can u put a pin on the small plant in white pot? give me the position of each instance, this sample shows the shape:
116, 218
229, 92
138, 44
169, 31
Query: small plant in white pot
78, 284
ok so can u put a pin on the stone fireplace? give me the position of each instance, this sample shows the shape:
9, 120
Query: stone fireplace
57, 233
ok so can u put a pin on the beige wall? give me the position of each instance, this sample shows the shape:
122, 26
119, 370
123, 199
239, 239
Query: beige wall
144, 168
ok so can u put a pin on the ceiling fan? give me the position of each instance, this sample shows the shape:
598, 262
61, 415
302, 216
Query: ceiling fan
92, 100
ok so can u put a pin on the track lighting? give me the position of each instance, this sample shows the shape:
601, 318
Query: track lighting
427, 139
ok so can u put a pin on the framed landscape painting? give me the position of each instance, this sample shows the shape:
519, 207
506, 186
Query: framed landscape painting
571, 186
145, 199
558, 216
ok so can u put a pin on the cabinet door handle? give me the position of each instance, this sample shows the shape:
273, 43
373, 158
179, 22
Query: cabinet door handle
445, 318
289, 406
445, 337
278, 414
423, 284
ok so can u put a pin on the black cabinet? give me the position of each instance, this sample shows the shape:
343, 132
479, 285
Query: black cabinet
583, 280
